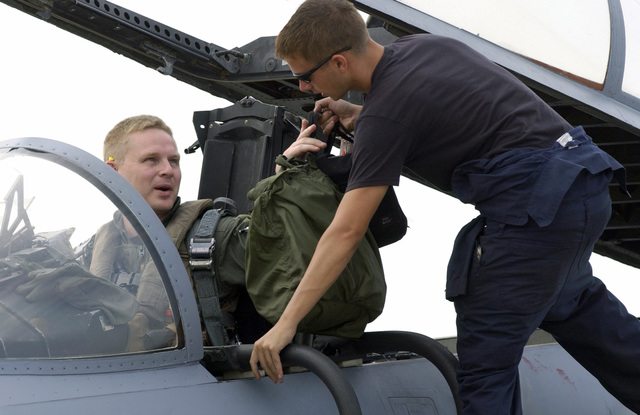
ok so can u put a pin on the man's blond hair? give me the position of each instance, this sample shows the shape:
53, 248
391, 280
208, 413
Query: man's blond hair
321, 27
116, 142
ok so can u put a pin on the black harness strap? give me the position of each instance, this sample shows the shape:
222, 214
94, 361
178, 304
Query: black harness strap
203, 271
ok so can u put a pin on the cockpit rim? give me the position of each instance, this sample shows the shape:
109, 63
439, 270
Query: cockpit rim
162, 250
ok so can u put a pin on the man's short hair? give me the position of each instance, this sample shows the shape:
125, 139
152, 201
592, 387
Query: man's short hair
320, 27
116, 142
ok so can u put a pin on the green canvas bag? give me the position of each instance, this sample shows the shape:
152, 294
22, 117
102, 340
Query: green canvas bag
291, 211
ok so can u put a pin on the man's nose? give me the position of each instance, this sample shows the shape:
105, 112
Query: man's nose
166, 168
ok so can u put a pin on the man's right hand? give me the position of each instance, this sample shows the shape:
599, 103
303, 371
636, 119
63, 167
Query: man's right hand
333, 111
266, 351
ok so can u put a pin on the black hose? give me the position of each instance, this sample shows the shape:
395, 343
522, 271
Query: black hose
317, 363
430, 349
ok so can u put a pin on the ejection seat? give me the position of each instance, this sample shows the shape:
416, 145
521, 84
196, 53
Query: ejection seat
239, 145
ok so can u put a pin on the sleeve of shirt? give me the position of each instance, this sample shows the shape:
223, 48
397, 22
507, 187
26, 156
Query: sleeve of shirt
380, 149
104, 251
151, 294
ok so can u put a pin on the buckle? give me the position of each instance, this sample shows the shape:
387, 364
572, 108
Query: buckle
201, 254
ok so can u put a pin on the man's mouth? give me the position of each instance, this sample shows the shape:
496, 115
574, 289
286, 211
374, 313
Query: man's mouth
164, 189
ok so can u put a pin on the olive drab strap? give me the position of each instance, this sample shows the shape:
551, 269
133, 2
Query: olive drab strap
201, 262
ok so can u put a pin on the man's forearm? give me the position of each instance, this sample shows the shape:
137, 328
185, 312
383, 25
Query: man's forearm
334, 250
332, 254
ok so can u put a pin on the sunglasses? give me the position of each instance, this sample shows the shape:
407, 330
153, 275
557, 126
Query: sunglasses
306, 77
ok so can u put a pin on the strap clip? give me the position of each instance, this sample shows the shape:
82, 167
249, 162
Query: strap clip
201, 254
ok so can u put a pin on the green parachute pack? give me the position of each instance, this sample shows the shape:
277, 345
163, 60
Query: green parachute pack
291, 211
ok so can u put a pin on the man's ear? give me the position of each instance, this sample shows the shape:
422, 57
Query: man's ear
341, 62
112, 164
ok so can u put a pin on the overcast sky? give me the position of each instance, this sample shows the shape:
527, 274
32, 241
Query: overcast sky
56, 85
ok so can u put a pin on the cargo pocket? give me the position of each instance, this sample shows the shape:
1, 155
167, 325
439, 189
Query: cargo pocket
533, 274
462, 257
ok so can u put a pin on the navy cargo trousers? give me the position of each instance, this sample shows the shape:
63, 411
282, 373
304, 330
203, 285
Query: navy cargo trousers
523, 276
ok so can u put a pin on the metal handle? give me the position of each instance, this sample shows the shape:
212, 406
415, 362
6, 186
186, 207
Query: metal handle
315, 362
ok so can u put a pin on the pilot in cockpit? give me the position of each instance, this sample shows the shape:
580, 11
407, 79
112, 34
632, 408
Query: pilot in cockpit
143, 151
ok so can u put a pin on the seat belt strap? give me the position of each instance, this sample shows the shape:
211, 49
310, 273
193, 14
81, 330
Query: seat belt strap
203, 271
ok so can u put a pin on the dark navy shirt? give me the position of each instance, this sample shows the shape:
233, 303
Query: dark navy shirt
435, 104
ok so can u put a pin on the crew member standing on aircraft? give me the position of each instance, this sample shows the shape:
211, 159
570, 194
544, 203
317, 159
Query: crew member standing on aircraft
467, 126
